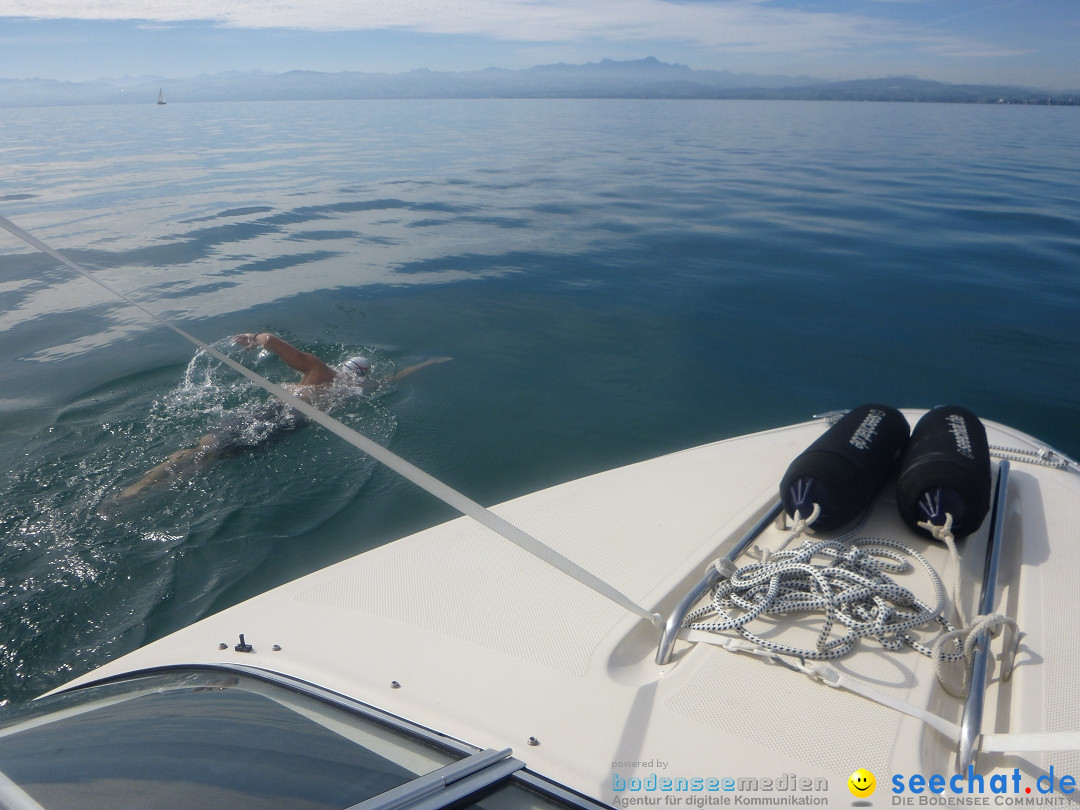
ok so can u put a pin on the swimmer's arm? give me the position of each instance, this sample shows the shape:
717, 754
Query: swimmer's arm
405, 372
315, 371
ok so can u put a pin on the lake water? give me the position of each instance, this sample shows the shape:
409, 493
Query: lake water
614, 280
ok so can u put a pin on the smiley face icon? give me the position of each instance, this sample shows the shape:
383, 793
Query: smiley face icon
861, 783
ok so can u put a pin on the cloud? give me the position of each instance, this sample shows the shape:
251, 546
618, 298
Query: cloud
743, 25
762, 35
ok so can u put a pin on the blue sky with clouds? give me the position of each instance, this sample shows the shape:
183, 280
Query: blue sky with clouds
1027, 42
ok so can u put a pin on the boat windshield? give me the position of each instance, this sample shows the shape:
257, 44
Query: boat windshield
207, 738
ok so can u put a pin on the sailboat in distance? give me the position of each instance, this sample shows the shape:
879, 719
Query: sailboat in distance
160, 96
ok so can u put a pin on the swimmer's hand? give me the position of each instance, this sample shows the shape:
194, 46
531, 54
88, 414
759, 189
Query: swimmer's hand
247, 340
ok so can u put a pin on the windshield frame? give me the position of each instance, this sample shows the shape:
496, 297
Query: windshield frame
470, 772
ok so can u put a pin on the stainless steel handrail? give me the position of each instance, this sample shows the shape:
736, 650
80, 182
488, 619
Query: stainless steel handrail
712, 576
971, 722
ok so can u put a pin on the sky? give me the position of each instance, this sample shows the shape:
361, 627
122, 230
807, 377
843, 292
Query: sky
1033, 43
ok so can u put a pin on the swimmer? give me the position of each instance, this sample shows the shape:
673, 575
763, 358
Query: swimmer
273, 416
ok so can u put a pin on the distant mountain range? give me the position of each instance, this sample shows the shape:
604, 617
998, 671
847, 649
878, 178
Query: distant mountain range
644, 78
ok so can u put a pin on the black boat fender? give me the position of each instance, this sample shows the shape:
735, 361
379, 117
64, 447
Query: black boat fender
845, 467
946, 469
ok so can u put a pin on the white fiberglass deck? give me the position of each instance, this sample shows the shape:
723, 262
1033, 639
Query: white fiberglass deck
457, 630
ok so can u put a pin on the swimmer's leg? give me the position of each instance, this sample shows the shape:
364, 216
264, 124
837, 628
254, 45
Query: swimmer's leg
180, 464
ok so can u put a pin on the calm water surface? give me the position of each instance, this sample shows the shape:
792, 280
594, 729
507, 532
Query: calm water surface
613, 279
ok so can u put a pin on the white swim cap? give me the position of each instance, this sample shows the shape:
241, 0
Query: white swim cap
357, 365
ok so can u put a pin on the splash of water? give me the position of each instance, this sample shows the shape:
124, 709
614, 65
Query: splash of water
77, 588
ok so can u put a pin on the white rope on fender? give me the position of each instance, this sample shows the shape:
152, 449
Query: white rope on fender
944, 535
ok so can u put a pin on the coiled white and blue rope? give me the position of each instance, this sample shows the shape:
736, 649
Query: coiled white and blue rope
848, 581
